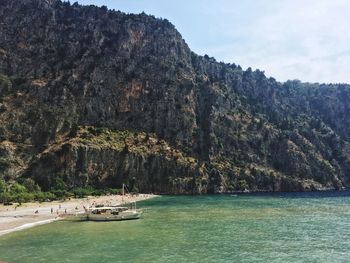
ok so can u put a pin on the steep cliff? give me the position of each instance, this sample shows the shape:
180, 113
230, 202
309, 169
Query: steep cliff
93, 97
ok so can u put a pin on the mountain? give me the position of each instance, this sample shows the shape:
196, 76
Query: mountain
94, 97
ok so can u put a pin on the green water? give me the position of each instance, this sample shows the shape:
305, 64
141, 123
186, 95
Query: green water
247, 228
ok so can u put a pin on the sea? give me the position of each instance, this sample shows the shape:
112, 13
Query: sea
281, 227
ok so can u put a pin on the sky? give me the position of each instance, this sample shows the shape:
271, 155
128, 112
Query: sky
307, 40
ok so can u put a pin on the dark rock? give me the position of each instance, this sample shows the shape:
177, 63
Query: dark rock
67, 67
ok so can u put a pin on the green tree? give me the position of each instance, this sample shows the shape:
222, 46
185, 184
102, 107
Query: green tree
243, 185
2, 186
30, 185
17, 188
5, 197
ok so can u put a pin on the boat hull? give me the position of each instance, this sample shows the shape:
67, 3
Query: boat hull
106, 214
110, 217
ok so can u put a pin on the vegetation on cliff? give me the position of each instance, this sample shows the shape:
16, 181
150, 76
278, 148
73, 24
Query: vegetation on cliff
95, 98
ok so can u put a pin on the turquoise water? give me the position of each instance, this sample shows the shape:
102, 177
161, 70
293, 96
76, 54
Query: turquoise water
244, 228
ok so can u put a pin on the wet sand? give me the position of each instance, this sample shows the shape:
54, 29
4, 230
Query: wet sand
15, 217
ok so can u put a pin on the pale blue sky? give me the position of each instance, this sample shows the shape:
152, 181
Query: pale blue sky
288, 39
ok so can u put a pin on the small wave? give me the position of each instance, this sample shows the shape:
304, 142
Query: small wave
27, 225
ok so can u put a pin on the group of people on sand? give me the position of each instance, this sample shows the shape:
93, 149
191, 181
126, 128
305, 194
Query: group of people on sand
52, 210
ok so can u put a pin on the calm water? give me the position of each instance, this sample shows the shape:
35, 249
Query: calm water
246, 228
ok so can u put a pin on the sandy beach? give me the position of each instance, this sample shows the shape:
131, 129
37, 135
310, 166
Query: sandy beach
15, 217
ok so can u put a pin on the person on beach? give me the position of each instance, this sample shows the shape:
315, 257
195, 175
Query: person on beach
51, 210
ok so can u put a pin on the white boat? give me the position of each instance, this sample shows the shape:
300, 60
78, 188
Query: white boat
112, 213
107, 213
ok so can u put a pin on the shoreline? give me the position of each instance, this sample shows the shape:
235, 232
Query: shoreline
18, 217
28, 225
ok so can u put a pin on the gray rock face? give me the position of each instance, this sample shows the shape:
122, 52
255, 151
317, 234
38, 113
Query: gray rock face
65, 67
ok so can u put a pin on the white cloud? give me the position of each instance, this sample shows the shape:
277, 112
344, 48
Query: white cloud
308, 40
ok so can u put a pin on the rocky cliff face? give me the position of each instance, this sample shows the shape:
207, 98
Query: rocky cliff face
90, 96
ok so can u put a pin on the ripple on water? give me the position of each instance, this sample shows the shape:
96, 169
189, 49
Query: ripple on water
244, 228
